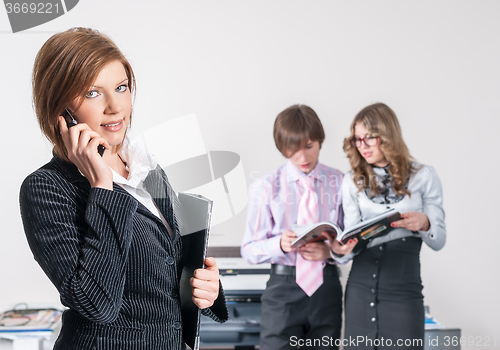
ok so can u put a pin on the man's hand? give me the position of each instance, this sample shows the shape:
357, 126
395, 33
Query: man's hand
286, 241
315, 251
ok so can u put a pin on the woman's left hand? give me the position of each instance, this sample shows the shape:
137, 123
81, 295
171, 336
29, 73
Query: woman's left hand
205, 284
413, 221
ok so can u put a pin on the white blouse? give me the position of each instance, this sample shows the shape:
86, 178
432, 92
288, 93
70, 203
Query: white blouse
426, 197
139, 162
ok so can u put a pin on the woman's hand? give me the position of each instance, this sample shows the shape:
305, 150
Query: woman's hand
315, 251
336, 247
413, 221
205, 284
286, 241
81, 143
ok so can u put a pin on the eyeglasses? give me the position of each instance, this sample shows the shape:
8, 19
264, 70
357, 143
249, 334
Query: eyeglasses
368, 140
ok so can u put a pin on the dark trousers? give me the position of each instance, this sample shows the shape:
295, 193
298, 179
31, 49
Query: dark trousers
291, 318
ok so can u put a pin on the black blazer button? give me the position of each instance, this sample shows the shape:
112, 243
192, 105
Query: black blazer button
177, 325
170, 260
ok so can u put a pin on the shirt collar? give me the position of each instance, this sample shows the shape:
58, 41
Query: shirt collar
139, 162
294, 174
381, 171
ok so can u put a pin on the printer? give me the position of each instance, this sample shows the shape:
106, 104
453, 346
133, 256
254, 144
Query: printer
243, 286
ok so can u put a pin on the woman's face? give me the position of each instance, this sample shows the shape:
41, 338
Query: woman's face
107, 106
372, 154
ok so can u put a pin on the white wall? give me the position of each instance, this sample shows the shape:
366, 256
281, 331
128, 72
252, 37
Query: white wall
236, 64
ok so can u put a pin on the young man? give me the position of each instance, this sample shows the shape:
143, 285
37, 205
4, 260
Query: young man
302, 304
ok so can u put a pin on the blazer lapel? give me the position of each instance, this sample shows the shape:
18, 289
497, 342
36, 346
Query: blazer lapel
156, 183
163, 195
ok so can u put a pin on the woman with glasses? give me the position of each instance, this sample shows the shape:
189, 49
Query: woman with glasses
384, 301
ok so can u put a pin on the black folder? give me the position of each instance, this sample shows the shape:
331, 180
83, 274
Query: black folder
196, 216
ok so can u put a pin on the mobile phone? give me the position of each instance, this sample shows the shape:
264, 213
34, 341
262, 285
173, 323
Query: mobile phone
71, 121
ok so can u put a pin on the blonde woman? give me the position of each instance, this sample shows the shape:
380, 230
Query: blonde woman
384, 301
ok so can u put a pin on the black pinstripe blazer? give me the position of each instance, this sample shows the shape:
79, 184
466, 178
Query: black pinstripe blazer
113, 262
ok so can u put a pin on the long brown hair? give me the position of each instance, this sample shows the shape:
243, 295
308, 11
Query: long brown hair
381, 122
64, 70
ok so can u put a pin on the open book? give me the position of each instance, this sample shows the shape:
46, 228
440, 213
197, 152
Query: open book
377, 226
197, 213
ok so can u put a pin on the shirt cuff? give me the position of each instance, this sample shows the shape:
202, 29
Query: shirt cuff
275, 246
341, 259
430, 234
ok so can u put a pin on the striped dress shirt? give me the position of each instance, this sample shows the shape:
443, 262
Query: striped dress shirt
273, 205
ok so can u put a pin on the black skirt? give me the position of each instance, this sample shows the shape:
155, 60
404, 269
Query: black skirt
384, 302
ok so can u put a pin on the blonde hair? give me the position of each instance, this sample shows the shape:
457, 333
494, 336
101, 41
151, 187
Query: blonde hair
64, 70
381, 122
294, 126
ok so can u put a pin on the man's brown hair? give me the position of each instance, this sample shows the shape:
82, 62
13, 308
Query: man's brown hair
294, 127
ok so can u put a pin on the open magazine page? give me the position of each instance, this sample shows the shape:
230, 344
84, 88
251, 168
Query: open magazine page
312, 233
371, 228
377, 226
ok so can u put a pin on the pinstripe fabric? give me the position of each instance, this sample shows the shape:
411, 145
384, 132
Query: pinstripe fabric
112, 260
